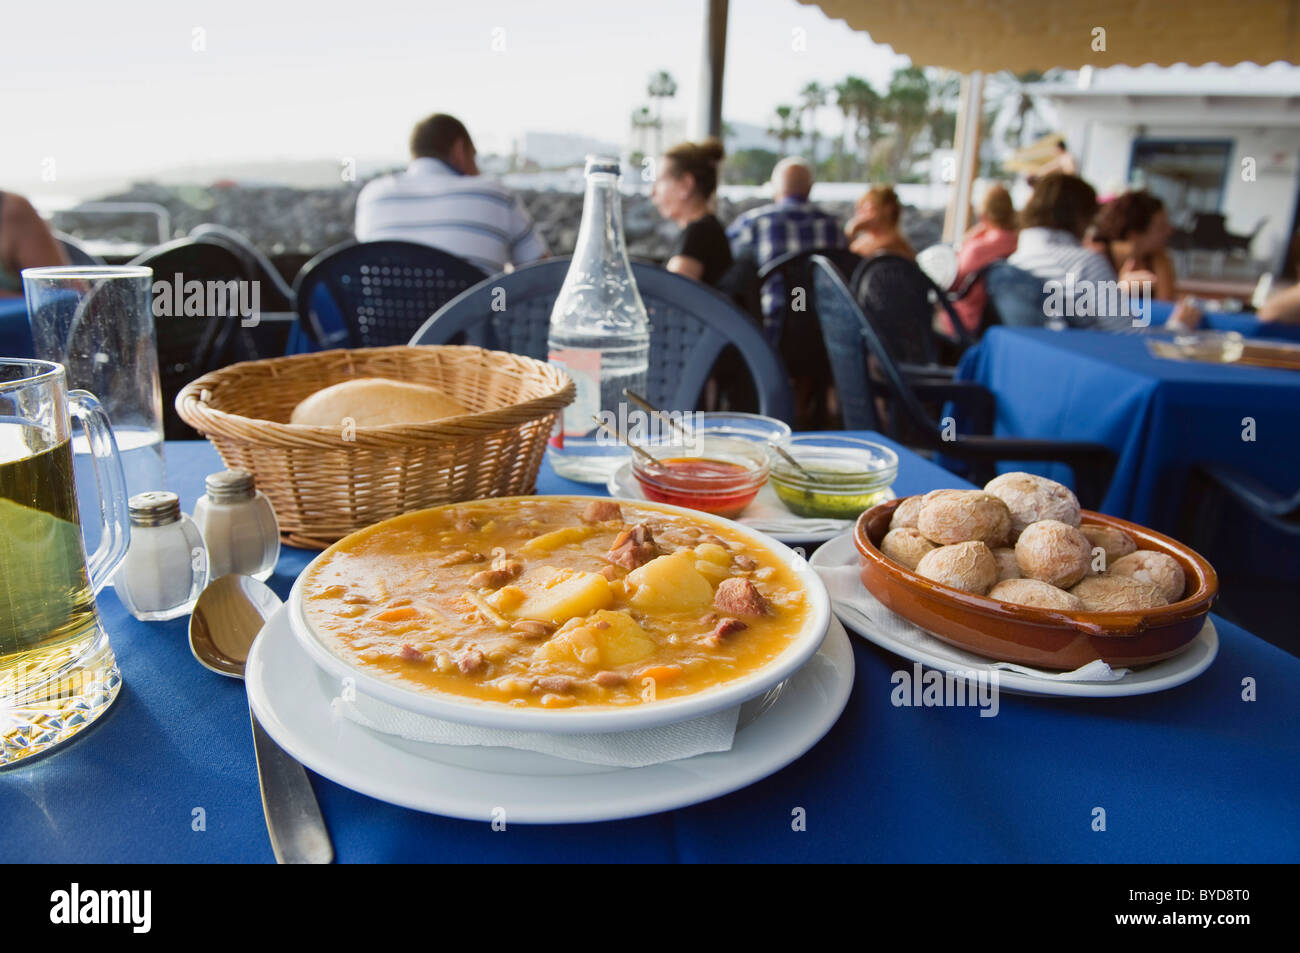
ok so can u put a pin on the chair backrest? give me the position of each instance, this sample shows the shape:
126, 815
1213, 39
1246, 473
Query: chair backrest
895, 294
75, 253
794, 270
372, 294
276, 295
690, 324
850, 338
1016, 296
191, 345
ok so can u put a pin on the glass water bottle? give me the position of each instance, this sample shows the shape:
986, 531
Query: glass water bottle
599, 333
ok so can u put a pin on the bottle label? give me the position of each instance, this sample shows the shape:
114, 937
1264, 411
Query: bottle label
583, 365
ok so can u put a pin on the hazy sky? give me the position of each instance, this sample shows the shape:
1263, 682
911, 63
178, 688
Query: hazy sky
118, 88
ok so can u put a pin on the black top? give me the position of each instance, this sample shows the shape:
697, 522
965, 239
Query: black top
705, 240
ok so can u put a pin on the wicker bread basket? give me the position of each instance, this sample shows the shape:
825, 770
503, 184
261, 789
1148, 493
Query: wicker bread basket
326, 482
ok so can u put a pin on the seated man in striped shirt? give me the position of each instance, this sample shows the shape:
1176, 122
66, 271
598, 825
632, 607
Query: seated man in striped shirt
789, 224
441, 200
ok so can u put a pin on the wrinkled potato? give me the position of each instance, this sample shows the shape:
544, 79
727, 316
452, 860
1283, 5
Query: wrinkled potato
960, 516
969, 566
1053, 552
1111, 593
1031, 498
1158, 569
1008, 568
905, 546
1114, 542
905, 514
1034, 592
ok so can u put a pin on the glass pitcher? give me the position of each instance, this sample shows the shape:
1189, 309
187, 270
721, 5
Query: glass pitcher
57, 670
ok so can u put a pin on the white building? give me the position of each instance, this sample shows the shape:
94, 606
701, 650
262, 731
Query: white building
1207, 140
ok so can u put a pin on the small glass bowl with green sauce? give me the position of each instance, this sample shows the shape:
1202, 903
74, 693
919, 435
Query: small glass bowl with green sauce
844, 475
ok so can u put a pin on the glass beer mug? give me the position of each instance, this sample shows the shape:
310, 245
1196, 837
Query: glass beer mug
57, 670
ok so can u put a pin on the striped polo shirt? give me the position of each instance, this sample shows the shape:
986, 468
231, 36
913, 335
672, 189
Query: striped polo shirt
471, 216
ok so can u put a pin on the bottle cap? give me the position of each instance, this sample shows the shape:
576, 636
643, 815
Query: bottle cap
607, 165
154, 508
230, 486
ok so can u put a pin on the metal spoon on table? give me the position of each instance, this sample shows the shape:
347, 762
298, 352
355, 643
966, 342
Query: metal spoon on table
228, 616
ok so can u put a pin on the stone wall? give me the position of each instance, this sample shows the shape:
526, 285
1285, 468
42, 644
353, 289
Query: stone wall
283, 220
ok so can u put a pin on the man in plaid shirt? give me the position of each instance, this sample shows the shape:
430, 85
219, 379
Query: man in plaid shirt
789, 224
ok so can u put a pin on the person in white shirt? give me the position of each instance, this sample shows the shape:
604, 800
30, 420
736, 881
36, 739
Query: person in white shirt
441, 200
1050, 247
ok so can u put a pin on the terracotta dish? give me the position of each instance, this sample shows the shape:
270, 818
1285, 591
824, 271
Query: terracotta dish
1040, 637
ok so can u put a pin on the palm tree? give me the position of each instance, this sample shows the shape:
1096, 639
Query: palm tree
786, 126
814, 97
868, 110
907, 107
662, 86
641, 119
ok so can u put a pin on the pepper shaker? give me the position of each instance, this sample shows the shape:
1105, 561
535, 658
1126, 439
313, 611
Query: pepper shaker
166, 566
238, 525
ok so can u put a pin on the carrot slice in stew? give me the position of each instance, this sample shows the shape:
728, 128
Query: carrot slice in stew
400, 614
662, 673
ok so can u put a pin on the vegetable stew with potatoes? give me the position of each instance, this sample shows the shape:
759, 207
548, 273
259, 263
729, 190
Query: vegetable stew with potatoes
554, 602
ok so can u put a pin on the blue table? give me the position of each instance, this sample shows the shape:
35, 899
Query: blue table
1244, 323
1162, 417
1190, 774
15, 332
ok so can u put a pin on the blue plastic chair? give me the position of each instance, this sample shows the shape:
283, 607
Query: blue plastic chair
690, 324
852, 339
76, 254
1016, 296
373, 294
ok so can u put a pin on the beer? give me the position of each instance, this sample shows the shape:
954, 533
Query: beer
45, 597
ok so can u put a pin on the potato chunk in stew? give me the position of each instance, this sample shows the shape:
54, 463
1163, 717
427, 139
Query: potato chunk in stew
670, 584
557, 595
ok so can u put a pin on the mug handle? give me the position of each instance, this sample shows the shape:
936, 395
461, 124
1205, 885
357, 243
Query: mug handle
110, 481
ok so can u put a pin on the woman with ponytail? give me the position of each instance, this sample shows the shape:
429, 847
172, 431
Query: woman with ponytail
684, 192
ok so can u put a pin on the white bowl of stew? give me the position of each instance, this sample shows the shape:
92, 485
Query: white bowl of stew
534, 614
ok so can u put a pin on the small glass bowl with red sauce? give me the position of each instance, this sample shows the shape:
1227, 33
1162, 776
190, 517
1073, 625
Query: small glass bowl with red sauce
714, 474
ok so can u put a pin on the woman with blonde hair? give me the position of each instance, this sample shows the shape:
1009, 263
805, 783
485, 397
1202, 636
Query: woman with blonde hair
683, 192
873, 230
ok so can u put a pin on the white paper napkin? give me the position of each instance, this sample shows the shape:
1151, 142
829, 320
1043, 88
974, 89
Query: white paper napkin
844, 584
768, 514
623, 749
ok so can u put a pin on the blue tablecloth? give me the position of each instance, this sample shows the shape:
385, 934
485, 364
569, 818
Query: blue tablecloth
1244, 323
1190, 774
15, 332
1161, 416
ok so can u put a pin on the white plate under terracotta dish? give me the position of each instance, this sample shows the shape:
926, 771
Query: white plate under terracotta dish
592, 718
292, 697
812, 532
1158, 677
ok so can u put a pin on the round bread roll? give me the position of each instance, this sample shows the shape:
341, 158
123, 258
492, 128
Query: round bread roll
1031, 498
1110, 593
375, 402
905, 546
906, 512
1113, 542
960, 516
1054, 552
1008, 568
969, 566
1159, 569
1033, 592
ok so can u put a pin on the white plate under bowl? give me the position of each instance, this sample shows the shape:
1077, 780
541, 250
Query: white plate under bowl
813, 532
291, 698
1158, 677
587, 719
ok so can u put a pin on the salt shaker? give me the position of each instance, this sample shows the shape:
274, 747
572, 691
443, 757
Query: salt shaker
238, 526
166, 566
